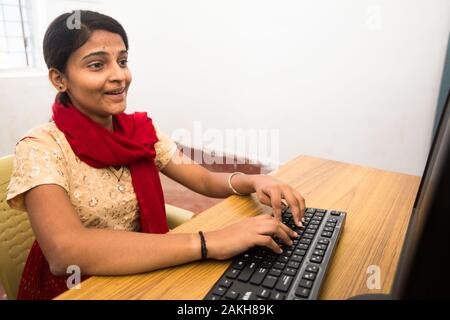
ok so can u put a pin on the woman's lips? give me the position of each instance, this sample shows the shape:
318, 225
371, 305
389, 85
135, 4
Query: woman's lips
116, 95
116, 91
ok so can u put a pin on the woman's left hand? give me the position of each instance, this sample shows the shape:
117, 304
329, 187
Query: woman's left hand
271, 191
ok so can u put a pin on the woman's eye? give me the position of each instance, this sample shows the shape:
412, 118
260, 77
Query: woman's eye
123, 63
96, 65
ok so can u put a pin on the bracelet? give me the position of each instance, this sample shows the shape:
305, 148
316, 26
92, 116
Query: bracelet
204, 249
231, 187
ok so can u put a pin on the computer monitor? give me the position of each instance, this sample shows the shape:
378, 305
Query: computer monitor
424, 266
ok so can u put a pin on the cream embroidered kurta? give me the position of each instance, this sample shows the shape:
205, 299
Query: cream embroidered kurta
101, 201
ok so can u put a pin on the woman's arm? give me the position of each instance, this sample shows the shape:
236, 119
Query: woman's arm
65, 241
269, 190
211, 184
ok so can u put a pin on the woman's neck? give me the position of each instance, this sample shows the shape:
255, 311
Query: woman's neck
105, 122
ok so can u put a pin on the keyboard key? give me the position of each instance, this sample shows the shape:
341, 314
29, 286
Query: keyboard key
284, 283
321, 210
309, 276
279, 265
316, 259
264, 293
327, 234
293, 264
314, 221
310, 231
297, 258
240, 264
321, 247
302, 292
313, 226
277, 296
261, 251
323, 241
225, 283
319, 252
310, 210
257, 257
332, 220
258, 276
214, 297
305, 283
232, 295
245, 257
270, 282
329, 229
220, 291
232, 274
275, 272
271, 257
290, 271
312, 268
247, 272
331, 225
267, 264
335, 213
305, 241
319, 215
283, 259
303, 246
308, 236
287, 253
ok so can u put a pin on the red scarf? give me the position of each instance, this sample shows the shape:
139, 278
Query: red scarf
132, 145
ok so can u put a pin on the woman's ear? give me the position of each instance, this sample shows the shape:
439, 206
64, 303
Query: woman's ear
57, 79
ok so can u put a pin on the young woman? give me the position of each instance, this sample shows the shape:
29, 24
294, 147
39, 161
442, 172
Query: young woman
89, 178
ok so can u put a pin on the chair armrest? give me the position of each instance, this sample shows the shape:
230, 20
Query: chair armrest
177, 216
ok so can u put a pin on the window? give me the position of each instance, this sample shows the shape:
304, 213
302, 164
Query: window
16, 45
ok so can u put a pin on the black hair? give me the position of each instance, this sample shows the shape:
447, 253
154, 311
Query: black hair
70, 31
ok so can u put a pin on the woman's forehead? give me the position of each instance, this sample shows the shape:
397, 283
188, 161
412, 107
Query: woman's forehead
100, 40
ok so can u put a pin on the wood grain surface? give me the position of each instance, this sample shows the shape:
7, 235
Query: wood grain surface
378, 205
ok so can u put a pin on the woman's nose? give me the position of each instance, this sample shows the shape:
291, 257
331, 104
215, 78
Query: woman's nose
117, 74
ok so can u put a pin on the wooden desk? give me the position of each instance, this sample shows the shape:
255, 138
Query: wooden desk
378, 204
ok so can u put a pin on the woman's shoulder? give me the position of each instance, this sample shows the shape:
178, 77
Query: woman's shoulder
43, 140
47, 133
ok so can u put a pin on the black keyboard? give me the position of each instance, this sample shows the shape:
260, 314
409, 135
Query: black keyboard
296, 274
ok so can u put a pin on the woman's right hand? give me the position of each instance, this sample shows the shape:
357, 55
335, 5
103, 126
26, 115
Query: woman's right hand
230, 241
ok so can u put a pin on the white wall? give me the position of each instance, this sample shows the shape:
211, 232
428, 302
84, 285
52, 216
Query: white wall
355, 81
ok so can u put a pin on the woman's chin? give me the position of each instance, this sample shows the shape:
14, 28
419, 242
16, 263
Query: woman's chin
116, 108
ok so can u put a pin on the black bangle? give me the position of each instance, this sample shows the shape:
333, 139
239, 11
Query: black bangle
204, 250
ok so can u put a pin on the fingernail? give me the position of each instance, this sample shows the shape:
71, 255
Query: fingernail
295, 234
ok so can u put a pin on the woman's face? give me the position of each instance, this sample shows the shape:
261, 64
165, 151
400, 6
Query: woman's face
97, 77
